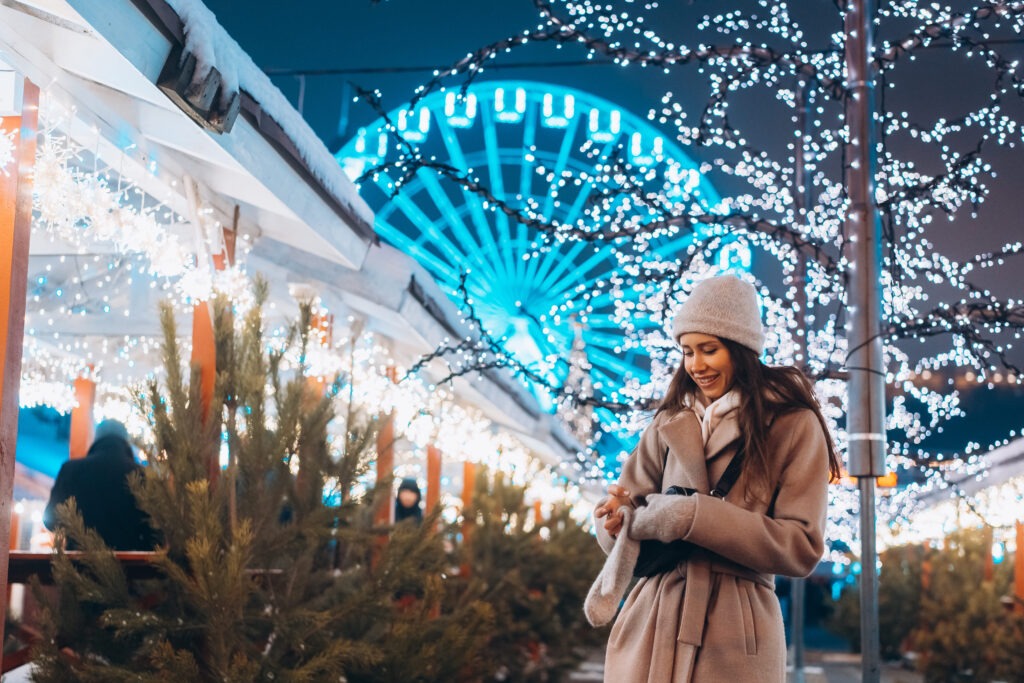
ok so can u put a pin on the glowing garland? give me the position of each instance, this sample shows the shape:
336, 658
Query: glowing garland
7, 148
89, 208
79, 206
981, 326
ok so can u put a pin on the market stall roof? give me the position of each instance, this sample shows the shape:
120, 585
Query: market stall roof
104, 62
107, 56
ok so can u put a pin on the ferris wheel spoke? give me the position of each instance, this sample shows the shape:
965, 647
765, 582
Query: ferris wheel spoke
465, 242
526, 172
587, 186
495, 183
438, 267
438, 239
580, 273
477, 211
564, 153
513, 265
560, 265
608, 367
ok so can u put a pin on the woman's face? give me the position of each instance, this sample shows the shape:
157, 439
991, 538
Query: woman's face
708, 363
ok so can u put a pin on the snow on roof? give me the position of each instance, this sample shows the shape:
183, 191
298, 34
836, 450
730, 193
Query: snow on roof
212, 47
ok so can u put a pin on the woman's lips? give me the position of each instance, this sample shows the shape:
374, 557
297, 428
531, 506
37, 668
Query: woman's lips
706, 381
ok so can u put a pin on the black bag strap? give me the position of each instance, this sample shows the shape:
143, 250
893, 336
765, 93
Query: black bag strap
731, 474
728, 478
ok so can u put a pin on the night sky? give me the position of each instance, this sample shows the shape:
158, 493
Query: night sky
394, 45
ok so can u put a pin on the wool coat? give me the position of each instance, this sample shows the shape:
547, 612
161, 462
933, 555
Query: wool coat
716, 617
99, 484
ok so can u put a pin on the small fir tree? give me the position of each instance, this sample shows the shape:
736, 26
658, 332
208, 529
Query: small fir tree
535, 576
269, 570
965, 634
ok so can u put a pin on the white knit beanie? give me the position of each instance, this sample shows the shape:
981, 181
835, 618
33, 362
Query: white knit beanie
725, 307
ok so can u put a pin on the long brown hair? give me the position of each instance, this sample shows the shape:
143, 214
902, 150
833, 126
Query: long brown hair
765, 392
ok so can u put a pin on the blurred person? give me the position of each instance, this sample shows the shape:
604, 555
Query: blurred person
407, 502
99, 484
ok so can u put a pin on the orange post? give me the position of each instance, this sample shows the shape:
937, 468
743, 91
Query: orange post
321, 332
468, 486
383, 515
15, 530
204, 357
15, 229
82, 418
1018, 572
538, 513
433, 478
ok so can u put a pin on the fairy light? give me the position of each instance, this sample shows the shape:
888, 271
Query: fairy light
6, 148
745, 54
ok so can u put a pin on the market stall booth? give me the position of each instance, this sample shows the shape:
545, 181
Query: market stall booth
145, 158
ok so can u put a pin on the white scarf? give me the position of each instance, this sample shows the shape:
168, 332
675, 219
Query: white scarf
712, 414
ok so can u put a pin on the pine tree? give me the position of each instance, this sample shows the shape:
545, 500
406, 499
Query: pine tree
965, 633
899, 601
535, 576
271, 569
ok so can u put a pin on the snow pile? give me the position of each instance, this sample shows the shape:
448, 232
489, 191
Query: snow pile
212, 47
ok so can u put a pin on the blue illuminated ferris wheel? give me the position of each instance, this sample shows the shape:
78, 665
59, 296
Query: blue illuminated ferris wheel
542, 146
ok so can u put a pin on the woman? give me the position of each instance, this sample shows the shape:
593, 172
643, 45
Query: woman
715, 616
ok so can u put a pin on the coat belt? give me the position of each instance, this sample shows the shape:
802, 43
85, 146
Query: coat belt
697, 592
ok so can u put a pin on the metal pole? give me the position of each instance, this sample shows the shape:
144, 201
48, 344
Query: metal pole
866, 406
801, 191
797, 593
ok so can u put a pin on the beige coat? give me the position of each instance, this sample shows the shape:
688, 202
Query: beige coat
716, 617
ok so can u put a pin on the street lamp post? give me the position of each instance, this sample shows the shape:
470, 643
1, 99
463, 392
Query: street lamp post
864, 363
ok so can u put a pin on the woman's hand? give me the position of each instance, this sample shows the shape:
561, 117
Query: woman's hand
617, 497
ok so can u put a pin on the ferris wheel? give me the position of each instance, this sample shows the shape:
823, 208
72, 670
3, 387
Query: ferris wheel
538, 145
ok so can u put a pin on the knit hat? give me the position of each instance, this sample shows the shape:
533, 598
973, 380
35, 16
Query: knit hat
111, 428
725, 307
410, 484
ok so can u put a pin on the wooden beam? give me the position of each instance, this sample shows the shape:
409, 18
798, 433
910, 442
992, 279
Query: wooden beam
204, 357
82, 418
384, 514
15, 229
468, 487
433, 478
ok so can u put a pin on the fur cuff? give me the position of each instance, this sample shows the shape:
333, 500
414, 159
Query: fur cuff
605, 595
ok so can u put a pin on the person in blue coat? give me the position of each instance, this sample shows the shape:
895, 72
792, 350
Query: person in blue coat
99, 484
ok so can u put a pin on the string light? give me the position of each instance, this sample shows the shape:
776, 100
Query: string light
123, 239
928, 166
6, 149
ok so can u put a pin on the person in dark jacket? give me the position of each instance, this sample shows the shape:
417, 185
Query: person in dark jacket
407, 504
99, 484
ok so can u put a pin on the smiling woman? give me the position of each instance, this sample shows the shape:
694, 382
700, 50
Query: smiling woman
724, 410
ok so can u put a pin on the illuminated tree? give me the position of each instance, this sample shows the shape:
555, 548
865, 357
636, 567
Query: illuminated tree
772, 137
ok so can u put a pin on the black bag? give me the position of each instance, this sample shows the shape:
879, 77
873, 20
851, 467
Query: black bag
657, 557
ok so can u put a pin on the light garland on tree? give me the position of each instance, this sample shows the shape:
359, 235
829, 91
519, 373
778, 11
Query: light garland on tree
633, 208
